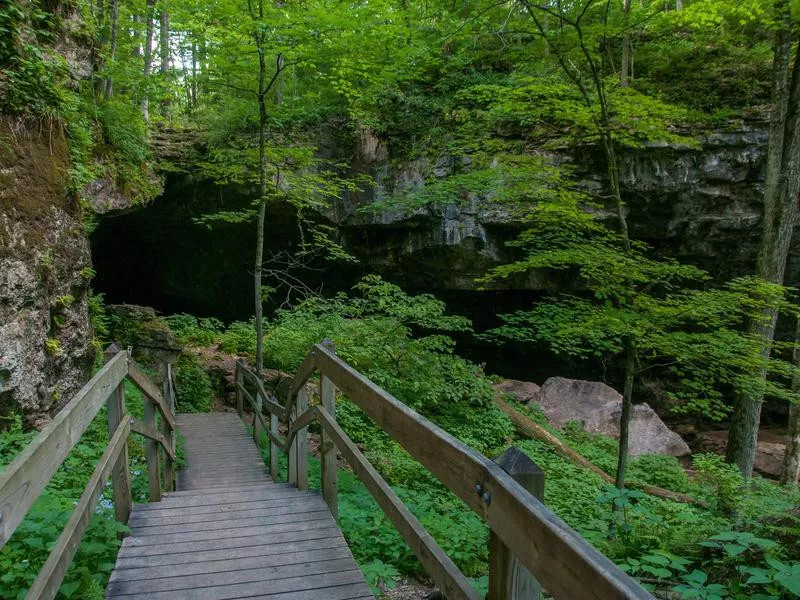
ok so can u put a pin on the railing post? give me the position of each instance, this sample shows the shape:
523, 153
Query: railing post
292, 453
509, 579
239, 382
166, 430
273, 447
153, 466
301, 441
258, 430
327, 393
120, 476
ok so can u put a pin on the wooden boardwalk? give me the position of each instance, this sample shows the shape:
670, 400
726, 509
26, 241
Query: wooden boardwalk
230, 532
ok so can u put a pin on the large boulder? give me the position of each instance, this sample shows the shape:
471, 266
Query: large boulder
769, 449
152, 340
523, 391
598, 407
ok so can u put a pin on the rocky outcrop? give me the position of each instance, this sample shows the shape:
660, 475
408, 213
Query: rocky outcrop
522, 391
769, 449
598, 408
140, 328
702, 204
46, 351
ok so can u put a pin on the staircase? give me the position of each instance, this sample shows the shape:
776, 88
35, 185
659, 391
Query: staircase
231, 532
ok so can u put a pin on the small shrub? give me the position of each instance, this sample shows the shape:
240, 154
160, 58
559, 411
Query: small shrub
191, 330
192, 386
721, 477
239, 338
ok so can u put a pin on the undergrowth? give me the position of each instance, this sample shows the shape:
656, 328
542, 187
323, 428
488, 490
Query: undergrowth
26, 551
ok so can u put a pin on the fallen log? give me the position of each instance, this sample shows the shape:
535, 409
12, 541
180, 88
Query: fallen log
529, 428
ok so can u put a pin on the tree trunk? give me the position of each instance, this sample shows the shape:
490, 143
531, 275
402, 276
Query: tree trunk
790, 472
627, 411
165, 56
625, 67
113, 6
678, 4
148, 58
194, 73
263, 87
780, 217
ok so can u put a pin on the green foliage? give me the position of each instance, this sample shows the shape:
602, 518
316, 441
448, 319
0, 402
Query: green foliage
29, 75
25, 553
193, 331
372, 331
724, 478
239, 338
192, 385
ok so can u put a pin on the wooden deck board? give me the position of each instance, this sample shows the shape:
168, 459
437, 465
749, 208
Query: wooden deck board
230, 532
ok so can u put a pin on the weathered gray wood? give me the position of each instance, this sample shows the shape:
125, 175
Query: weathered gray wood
165, 510
120, 476
151, 453
28, 474
291, 445
138, 520
321, 521
327, 393
437, 564
271, 406
168, 432
300, 378
298, 437
228, 525
258, 423
142, 429
509, 579
144, 383
234, 533
267, 575
565, 564
280, 543
221, 565
239, 386
50, 577
244, 590
273, 446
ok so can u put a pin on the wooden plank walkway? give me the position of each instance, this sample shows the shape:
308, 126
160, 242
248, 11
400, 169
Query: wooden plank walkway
230, 532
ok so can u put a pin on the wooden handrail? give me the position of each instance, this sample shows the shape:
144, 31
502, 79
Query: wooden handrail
562, 561
444, 572
25, 478
29, 473
53, 571
149, 389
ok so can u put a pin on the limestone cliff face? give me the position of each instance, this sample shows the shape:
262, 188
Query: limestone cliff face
700, 204
46, 353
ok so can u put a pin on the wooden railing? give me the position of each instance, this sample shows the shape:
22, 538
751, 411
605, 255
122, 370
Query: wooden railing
23, 480
530, 545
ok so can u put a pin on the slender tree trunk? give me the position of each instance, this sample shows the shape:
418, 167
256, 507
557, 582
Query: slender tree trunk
148, 58
98, 83
194, 72
780, 217
678, 4
790, 472
113, 7
627, 412
625, 67
164, 46
262, 164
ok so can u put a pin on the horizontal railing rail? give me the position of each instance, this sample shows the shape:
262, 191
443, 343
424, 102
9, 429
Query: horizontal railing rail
525, 532
22, 482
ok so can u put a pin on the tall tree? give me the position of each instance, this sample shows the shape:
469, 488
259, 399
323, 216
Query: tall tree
780, 217
790, 470
147, 54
